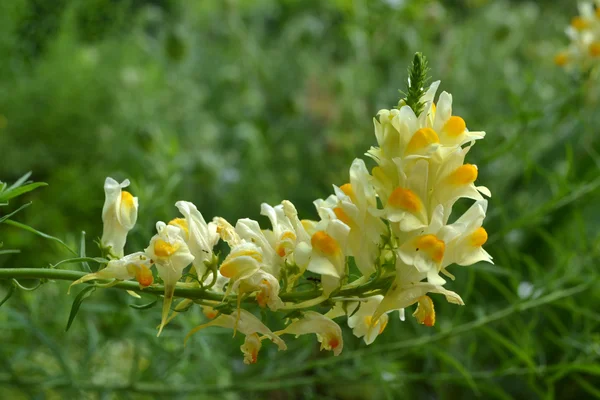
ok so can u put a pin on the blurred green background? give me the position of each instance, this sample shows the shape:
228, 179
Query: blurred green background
232, 103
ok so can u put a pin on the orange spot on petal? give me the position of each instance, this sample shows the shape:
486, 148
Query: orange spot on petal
348, 190
479, 237
421, 139
324, 243
342, 216
144, 276
164, 249
406, 200
455, 126
433, 246
127, 199
464, 175
334, 342
425, 312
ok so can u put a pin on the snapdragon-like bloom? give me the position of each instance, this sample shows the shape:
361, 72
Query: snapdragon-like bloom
119, 215
583, 51
354, 207
201, 237
283, 239
252, 264
171, 255
329, 334
360, 317
326, 253
136, 265
250, 326
408, 289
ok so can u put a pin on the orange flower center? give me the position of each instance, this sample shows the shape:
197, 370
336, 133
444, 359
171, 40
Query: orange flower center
431, 245
164, 249
455, 126
464, 175
425, 312
479, 237
405, 199
342, 216
181, 223
127, 199
348, 190
324, 243
334, 342
144, 276
422, 138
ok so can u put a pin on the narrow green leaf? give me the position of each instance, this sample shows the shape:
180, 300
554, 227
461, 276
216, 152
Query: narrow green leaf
144, 306
7, 216
35, 231
11, 291
84, 294
12, 193
20, 181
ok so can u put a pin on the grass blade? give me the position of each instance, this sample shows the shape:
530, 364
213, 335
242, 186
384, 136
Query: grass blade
12, 193
19, 181
36, 232
7, 216
84, 294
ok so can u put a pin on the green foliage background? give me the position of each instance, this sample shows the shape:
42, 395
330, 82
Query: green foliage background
232, 103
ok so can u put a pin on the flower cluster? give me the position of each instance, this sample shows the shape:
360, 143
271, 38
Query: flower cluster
381, 243
584, 32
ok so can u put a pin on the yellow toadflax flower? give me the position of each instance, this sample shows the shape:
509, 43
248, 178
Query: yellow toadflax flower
408, 290
201, 237
283, 239
583, 51
119, 215
326, 253
354, 203
329, 334
250, 326
171, 255
466, 247
360, 317
136, 265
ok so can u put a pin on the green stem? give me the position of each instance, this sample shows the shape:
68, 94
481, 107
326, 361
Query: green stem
191, 293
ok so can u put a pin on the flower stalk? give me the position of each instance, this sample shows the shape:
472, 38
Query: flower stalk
192, 293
